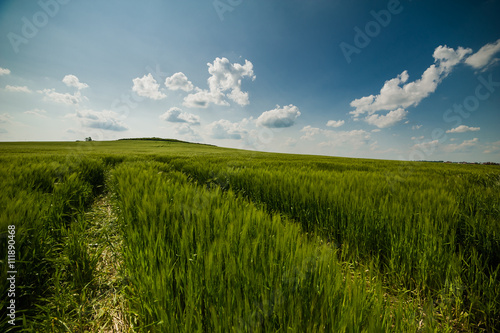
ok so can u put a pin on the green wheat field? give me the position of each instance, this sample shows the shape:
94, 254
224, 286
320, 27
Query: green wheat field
167, 236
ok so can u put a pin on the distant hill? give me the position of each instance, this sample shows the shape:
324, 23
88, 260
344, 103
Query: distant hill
168, 140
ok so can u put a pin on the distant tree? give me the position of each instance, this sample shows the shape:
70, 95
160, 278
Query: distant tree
88, 139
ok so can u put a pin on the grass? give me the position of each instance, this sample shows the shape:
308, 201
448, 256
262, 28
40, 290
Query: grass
156, 235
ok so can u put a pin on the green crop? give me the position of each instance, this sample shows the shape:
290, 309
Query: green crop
165, 236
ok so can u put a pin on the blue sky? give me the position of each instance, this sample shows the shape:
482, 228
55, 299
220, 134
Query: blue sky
405, 80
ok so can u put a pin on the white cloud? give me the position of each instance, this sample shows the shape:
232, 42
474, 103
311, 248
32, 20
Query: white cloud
37, 112
416, 127
105, 120
225, 77
72, 81
179, 81
176, 115
4, 71
425, 146
337, 139
447, 58
352, 139
335, 123
184, 129
279, 117
17, 89
69, 99
391, 118
224, 129
290, 142
187, 133
147, 87
465, 146
484, 57
375, 130
397, 93
5, 118
493, 147
462, 129
203, 98
310, 132
413, 138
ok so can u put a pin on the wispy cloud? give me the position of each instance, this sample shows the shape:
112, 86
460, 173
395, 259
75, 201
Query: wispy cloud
5, 118
465, 146
17, 89
37, 112
425, 146
492, 148
62, 98
336, 139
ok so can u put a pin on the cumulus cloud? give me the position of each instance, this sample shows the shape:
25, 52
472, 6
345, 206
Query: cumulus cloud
462, 129
4, 71
147, 87
203, 98
179, 81
335, 123
398, 94
68, 99
224, 129
176, 115
416, 127
17, 89
279, 117
72, 81
447, 58
37, 112
391, 118
310, 132
105, 120
485, 56
225, 78
465, 146
184, 129
187, 133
